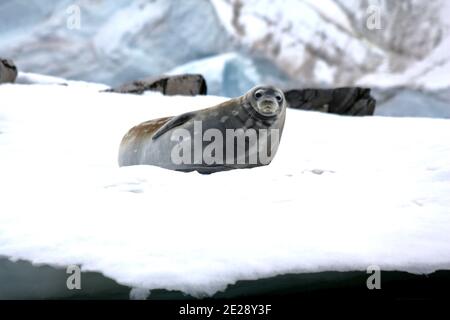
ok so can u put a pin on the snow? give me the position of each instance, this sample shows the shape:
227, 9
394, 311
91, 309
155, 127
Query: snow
331, 10
342, 193
428, 74
35, 78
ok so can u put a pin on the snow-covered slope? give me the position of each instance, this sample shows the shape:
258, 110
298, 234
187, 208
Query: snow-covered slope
430, 73
35, 78
338, 43
343, 193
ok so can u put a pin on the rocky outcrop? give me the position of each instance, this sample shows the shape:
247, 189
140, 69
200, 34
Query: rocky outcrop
344, 101
186, 85
8, 71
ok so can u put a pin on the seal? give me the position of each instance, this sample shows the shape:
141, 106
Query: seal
242, 132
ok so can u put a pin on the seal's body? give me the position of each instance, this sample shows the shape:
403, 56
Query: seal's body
208, 140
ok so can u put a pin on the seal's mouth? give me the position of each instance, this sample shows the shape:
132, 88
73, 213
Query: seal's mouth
268, 107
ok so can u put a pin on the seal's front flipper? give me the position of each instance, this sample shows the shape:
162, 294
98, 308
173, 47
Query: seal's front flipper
174, 122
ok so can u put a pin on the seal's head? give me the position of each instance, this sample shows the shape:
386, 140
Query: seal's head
267, 101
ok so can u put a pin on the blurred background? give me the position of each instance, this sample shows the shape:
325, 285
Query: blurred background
398, 48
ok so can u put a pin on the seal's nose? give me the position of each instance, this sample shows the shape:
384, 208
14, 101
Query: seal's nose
268, 105
269, 99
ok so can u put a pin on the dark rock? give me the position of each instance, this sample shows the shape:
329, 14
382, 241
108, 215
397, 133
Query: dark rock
344, 101
8, 71
186, 84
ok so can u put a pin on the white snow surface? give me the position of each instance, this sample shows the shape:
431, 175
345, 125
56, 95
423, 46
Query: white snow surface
342, 193
35, 78
428, 74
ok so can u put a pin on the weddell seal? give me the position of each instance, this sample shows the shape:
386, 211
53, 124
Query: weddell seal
243, 132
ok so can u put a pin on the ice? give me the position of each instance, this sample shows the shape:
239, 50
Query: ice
232, 74
382, 196
409, 103
35, 78
117, 42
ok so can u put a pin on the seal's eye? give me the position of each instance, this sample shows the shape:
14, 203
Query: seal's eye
258, 94
279, 98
